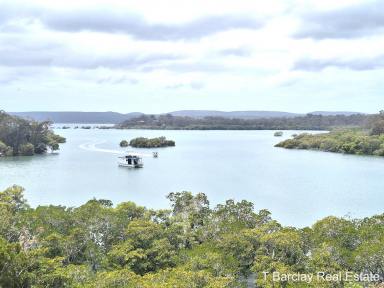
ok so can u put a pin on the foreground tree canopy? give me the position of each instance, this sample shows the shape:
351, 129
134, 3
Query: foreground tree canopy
23, 137
365, 140
190, 245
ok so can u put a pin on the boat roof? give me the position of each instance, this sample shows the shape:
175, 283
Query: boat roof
131, 155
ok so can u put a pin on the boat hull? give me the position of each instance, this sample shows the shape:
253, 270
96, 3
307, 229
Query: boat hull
130, 165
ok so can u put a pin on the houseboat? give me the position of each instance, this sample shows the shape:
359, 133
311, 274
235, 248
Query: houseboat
131, 161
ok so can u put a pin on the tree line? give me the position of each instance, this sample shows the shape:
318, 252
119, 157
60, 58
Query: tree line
190, 245
26, 137
308, 122
365, 140
142, 142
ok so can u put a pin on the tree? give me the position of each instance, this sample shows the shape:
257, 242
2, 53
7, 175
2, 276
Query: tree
24, 137
191, 214
27, 149
147, 249
124, 143
99, 245
5, 150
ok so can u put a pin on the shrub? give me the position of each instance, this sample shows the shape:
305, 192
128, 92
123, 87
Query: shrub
341, 141
5, 150
27, 149
142, 142
40, 148
124, 143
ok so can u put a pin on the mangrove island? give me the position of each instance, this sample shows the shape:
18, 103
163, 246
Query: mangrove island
142, 142
365, 140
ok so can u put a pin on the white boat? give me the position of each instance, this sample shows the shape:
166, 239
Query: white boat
131, 161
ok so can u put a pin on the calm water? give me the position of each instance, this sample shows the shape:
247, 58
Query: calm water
298, 187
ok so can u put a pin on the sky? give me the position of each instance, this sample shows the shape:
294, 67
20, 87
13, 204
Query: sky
162, 56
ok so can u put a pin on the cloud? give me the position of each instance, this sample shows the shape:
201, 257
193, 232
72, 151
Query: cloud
115, 20
239, 52
10, 75
197, 85
314, 65
193, 85
350, 22
117, 80
80, 61
128, 23
12, 11
30, 51
189, 67
131, 61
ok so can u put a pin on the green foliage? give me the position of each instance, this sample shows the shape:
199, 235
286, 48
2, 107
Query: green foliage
124, 143
13, 199
308, 122
142, 142
366, 140
376, 124
340, 141
191, 245
27, 149
5, 150
23, 137
11, 265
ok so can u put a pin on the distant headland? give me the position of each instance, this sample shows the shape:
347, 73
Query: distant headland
115, 118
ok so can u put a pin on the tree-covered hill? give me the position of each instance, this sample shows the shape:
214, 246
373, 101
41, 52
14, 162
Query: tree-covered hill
308, 122
26, 137
191, 245
77, 117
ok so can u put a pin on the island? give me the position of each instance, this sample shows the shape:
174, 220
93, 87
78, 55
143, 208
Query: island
365, 140
124, 143
307, 122
278, 134
21, 137
142, 142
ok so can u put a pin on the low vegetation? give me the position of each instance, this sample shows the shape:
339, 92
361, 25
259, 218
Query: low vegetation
124, 143
189, 245
368, 140
142, 142
308, 122
23, 137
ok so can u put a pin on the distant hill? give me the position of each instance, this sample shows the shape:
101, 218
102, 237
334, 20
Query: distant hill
115, 118
78, 117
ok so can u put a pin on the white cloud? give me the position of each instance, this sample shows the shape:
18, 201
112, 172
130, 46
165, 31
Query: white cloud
213, 55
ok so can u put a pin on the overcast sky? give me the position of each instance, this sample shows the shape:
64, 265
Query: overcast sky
161, 56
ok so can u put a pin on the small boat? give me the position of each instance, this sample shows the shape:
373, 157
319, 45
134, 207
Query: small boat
155, 154
131, 161
278, 134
